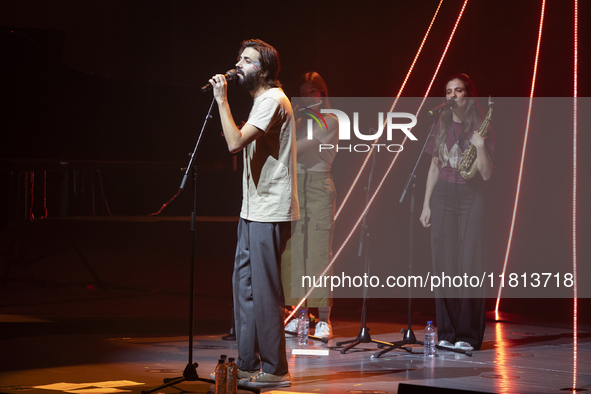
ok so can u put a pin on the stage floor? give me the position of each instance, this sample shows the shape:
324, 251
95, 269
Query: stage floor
86, 348
107, 301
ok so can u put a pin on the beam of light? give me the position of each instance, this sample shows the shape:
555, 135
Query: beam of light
385, 175
575, 292
531, 95
391, 109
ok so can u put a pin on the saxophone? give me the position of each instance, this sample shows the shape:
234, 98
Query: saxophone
468, 167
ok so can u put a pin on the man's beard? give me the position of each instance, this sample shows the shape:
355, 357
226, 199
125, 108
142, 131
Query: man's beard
247, 82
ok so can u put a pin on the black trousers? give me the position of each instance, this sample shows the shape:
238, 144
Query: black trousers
457, 247
258, 296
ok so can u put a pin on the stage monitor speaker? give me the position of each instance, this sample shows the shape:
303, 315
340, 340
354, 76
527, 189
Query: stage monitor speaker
404, 388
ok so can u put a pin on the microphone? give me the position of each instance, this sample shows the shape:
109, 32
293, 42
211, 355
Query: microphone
450, 102
230, 75
311, 105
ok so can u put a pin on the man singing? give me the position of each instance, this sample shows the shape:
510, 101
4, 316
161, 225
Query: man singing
269, 205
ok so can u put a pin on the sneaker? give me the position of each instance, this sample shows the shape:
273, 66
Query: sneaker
246, 374
463, 346
292, 326
241, 374
446, 344
323, 330
264, 380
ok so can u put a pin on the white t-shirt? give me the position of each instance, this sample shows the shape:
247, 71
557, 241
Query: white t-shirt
269, 185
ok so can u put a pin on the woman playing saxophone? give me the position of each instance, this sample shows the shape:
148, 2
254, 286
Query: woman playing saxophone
454, 210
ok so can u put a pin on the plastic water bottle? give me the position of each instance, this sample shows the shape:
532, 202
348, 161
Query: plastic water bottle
430, 342
303, 328
221, 377
232, 376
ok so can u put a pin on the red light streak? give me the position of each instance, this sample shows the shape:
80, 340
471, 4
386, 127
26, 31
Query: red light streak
163, 205
32, 191
31, 213
391, 109
575, 292
531, 95
100, 176
385, 175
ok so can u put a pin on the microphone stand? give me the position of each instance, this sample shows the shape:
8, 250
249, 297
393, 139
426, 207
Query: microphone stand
231, 336
363, 336
190, 373
408, 336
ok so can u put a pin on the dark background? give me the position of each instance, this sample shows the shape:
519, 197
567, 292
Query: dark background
114, 86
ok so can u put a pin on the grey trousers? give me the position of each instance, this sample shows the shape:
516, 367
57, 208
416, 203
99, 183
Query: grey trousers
258, 296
